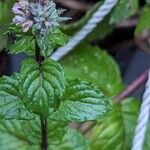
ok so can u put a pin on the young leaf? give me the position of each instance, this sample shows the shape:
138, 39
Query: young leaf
144, 22
46, 45
58, 37
115, 130
81, 102
42, 85
49, 42
25, 44
24, 135
123, 10
92, 64
11, 105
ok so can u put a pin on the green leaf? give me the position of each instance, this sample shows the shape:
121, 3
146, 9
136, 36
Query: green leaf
11, 105
81, 102
148, 1
115, 130
25, 44
58, 37
72, 140
123, 10
144, 22
42, 85
25, 135
45, 44
93, 65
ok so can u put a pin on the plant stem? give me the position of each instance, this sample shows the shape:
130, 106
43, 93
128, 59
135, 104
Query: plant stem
44, 143
38, 56
133, 86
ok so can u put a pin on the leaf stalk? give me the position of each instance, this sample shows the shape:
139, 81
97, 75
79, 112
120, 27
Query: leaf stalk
44, 143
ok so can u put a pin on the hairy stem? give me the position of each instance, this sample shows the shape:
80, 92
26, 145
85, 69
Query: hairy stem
44, 143
38, 56
133, 86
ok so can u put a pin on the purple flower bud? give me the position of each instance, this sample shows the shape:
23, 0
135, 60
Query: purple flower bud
17, 9
18, 20
41, 16
26, 25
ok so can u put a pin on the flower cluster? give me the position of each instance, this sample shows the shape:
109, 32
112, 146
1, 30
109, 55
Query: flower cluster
42, 17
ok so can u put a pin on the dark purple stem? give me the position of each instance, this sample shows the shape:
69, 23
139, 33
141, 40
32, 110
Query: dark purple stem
44, 143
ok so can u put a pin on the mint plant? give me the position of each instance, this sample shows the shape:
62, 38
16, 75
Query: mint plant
37, 104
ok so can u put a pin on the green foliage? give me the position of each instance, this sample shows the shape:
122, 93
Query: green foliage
93, 65
25, 44
45, 44
24, 135
115, 130
11, 105
58, 37
5, 10
144, 22
42, 85
148, 1
81, 102
3, 41
72, 140
51, 41
117, 127
123, 10
5, 19
44, 90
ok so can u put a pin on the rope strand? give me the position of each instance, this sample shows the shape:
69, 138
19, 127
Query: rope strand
143, 119
97, 17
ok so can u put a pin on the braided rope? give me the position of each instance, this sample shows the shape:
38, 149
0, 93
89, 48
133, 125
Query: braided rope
97, 17
143, 119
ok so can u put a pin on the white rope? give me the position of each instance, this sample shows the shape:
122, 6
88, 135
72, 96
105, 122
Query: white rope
97, 17
143, 119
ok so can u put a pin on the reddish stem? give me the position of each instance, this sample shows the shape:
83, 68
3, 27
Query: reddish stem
133, 86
